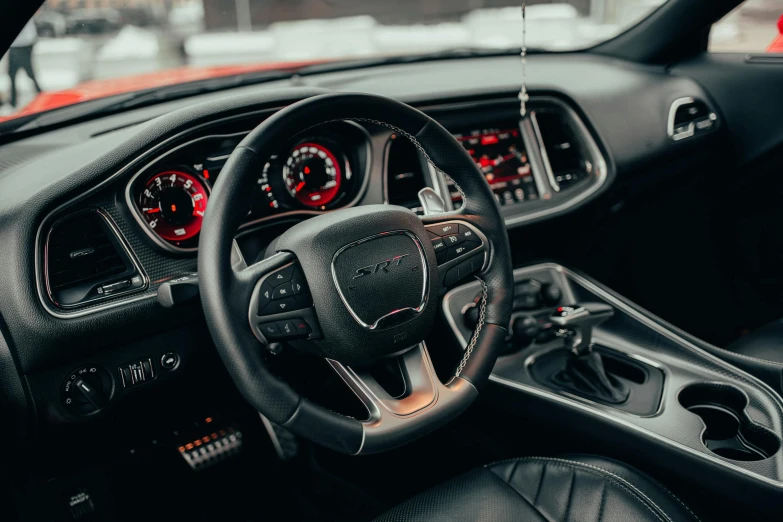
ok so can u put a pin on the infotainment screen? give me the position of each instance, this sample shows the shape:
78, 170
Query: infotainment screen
500, 155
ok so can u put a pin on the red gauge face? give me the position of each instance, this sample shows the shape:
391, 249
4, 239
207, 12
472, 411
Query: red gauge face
312, 175
173, 204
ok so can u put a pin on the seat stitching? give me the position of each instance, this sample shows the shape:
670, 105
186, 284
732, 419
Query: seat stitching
667, 491
520, 495
599, 471
616, 479
540, 484
516, 460
601, 505
570, 493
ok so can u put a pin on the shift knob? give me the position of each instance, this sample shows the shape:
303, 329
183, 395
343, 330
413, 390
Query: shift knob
575, 324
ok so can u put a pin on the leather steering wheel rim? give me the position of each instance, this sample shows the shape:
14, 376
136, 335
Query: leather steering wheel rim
226, 291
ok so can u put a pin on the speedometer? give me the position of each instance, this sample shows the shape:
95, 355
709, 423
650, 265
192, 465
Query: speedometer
312, 174
173, 204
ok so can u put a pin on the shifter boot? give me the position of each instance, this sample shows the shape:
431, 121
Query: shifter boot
587, 372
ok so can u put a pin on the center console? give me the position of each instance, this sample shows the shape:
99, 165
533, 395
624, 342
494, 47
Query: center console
581, 356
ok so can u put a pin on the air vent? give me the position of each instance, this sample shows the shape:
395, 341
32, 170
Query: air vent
405, 175
689, 117
564, 157
85, 261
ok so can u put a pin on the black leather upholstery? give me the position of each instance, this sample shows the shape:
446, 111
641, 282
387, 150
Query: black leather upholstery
570, 488
763, 343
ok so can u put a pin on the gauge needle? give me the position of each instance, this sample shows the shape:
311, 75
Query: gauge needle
151, 210
299, 186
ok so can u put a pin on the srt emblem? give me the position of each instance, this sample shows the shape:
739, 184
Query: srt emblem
383, 265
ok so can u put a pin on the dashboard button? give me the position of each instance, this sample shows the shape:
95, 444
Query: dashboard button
169, 361
444, 229
278, 306
264, 295
281, 276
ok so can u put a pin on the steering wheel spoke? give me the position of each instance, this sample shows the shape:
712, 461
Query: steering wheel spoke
394, 420
461, 248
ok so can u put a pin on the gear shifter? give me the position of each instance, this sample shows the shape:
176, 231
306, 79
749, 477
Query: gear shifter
585, 368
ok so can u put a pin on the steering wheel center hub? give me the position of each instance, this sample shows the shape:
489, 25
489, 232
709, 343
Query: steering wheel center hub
370, 271
382, 279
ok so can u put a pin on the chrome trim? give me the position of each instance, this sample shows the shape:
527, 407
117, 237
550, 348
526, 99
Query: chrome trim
425, 273
542, 151
61, 312
676, 104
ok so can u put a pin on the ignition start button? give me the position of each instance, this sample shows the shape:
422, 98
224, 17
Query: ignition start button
169, 361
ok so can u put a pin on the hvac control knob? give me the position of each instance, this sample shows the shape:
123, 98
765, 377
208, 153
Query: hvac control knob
87, 390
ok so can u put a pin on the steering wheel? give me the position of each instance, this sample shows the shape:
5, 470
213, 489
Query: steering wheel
367, 282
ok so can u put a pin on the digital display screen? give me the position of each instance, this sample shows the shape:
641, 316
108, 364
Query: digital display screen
500, 155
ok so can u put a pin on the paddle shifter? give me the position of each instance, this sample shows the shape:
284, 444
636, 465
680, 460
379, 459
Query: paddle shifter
585, 368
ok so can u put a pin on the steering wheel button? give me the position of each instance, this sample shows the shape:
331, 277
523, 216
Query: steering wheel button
302, 328
468, 235
438, 245
265, 296
452, 240
281, 276
297, 285
278, 306
282, 291
287, 329
444, 229
442, 256
270, 330
456, 251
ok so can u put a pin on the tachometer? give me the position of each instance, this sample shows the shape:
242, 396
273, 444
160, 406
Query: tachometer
312, 174
173, 204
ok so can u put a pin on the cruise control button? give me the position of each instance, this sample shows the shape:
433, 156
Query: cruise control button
281, 276
282, 291
444, 229
264, 295
270, 330
278, 306
438, 245
468, 235
456, 251
452, 240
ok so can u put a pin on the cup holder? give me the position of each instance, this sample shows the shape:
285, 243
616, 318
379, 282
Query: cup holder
729, 432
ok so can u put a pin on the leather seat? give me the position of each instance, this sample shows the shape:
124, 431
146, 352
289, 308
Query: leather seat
571, 488
763, 343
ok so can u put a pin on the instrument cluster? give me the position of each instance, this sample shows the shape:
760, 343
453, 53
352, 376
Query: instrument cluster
313, 173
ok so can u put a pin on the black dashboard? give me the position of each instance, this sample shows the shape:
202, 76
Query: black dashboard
96, 217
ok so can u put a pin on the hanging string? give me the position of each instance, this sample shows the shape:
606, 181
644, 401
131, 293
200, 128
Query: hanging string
523, 95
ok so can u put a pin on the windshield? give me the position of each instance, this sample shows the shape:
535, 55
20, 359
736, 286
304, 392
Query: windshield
74, 51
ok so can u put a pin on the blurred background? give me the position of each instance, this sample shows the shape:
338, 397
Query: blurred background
81, 41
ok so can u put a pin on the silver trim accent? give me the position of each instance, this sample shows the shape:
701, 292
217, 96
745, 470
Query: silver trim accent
542, 151
61, 312
425, 273
676, 104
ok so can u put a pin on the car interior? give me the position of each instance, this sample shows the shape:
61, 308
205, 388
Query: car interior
424, 289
